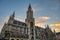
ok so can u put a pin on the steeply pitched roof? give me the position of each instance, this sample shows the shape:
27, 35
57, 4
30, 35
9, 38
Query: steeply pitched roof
40, 28
19, 23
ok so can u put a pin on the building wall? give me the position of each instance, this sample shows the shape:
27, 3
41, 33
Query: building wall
22, 30
58, 37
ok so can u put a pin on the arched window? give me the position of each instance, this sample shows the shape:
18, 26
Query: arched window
31, 23
7, 34
21, 39
32, 38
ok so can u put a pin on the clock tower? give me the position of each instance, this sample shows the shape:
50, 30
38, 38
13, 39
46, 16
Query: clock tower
30, 22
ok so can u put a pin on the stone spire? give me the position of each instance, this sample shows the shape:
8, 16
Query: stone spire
29, 12
13, 15
11, 18
54, 32
29, 6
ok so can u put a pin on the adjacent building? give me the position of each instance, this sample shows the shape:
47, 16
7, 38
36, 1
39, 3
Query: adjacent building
58, 36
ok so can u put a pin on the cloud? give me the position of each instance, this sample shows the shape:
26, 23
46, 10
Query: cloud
57, 30
55, 26
41, 21
44, 18
40, 24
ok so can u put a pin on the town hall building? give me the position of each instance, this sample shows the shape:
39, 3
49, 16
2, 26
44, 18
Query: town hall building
17, 30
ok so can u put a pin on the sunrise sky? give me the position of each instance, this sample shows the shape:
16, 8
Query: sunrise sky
45, 12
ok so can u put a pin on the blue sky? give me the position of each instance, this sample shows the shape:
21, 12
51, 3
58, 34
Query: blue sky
45, 11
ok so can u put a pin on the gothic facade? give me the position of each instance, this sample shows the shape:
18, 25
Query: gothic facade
17, 30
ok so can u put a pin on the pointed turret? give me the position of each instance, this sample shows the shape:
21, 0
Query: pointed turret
54, 35
54, 32
29, 12
11, 17
29, 6
13, 14
47, 26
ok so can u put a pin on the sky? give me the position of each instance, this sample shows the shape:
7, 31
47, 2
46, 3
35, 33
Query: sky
46, 12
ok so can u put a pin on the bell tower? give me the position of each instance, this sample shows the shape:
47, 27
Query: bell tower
29, 12
30, 22
29, 17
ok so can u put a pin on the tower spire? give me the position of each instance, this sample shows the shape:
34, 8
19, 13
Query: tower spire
29, 6
13, 14
29, 12
11, 17
54, 32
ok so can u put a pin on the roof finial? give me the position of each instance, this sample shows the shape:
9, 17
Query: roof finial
54, 31
29, 5
47, 26
13, 14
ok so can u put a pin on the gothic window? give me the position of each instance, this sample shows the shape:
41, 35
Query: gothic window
22, 30
31, 23
15, 22
32, 31
7, 34
36, 32
17, 39
21, 39
32, 38
19, 23
46, 34
25, 30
